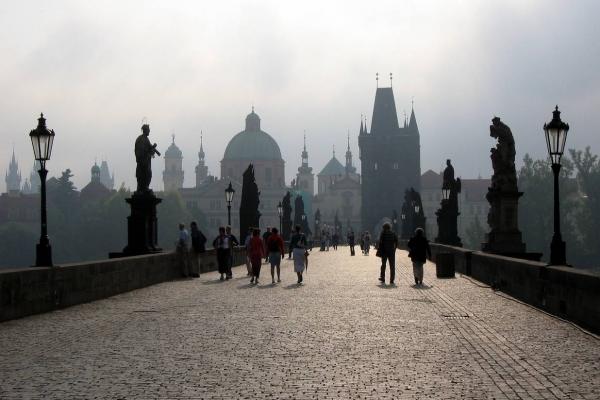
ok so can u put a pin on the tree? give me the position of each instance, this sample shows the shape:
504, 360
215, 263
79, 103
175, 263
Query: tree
474, 234
588, 177
18, 245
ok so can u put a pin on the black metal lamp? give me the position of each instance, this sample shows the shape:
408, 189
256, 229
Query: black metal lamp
229, 192
42, 140
556, 137
280, 213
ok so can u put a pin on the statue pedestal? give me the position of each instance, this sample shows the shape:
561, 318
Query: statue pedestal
505, 238
142, 232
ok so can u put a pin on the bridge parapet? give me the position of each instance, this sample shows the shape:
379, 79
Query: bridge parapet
564, 291
36, 290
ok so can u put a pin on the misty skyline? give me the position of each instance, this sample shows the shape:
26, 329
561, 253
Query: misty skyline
96, 70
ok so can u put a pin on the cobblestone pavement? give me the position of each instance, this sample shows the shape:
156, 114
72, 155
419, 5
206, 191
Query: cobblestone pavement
339, 335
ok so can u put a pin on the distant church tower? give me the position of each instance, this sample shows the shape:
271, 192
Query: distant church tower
390, 160
13, 176
350, 169
201, 168
173, 173
105, 177
305, 179
96, 173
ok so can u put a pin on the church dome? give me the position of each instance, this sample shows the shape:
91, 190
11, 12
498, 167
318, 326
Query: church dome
252, 143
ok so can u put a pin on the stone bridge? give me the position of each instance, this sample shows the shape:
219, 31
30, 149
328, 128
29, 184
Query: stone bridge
340, 335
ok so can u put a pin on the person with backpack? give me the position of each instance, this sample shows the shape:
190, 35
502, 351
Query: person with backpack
351, 241
199, 247
276, 253
265, 237
247, 246
298, 247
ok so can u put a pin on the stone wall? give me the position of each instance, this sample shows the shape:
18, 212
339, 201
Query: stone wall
567, 292
35, 290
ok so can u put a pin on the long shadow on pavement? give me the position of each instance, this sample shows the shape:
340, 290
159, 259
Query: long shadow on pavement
421, 287
293, 286
213, 282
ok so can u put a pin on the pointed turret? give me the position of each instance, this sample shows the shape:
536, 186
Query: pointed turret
412, 124
349, 168
361, 131
385, 119
201, 168
304, 154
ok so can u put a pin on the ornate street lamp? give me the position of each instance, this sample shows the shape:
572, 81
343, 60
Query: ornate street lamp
280, 213
229, 192
556, 137
445, 193
42, 139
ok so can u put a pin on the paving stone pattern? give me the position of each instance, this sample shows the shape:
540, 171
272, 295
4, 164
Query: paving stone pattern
340, 335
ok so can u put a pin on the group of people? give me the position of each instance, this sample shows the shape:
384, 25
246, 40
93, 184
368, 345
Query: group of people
419, 252
271, 248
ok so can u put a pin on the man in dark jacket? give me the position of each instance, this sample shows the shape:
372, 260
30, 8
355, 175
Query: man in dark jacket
386, 249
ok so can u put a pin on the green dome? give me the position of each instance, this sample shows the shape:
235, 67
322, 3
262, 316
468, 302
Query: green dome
252, 143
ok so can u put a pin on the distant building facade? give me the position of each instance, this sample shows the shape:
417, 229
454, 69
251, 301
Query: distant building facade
390, 160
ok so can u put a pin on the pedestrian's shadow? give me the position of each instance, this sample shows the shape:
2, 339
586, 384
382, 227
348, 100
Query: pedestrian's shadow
269, 286
293, 286
246, 286
421, 287
213, 282
382, 285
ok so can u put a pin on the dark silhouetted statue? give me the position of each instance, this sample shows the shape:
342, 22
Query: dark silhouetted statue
448, 213
299, 212
144, 152
503, 195
286, 220
142, 224
249, 214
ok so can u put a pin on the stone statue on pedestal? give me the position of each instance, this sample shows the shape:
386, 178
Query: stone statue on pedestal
503, 195
448, 213
249, 214
144, 152
142, 224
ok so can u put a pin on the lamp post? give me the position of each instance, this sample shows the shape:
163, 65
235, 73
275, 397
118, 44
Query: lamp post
280, 213
556, 136
229, 192
395, 221
42, 139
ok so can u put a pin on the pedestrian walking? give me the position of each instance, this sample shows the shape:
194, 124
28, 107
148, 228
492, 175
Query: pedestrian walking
198, 246
367, 242
276, 253
298, 246
257, 252
386, 249
419, 252
182, 250
335, 238
350, 238
233, 242
222, 246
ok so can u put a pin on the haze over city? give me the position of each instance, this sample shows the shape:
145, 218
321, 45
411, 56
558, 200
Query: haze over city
97, 69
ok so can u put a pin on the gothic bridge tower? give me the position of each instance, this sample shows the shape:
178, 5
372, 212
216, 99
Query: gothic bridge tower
390, 160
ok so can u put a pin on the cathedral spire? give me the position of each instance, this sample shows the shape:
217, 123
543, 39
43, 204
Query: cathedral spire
412, 123
348, 156
13, 176
304, 153
201, 152
361, 131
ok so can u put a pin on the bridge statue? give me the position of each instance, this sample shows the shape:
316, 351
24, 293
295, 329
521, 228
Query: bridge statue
142, 224
503, 195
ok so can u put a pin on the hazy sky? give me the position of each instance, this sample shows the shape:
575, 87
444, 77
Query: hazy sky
97, 68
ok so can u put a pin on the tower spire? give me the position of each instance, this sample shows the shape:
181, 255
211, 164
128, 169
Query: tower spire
304, 153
